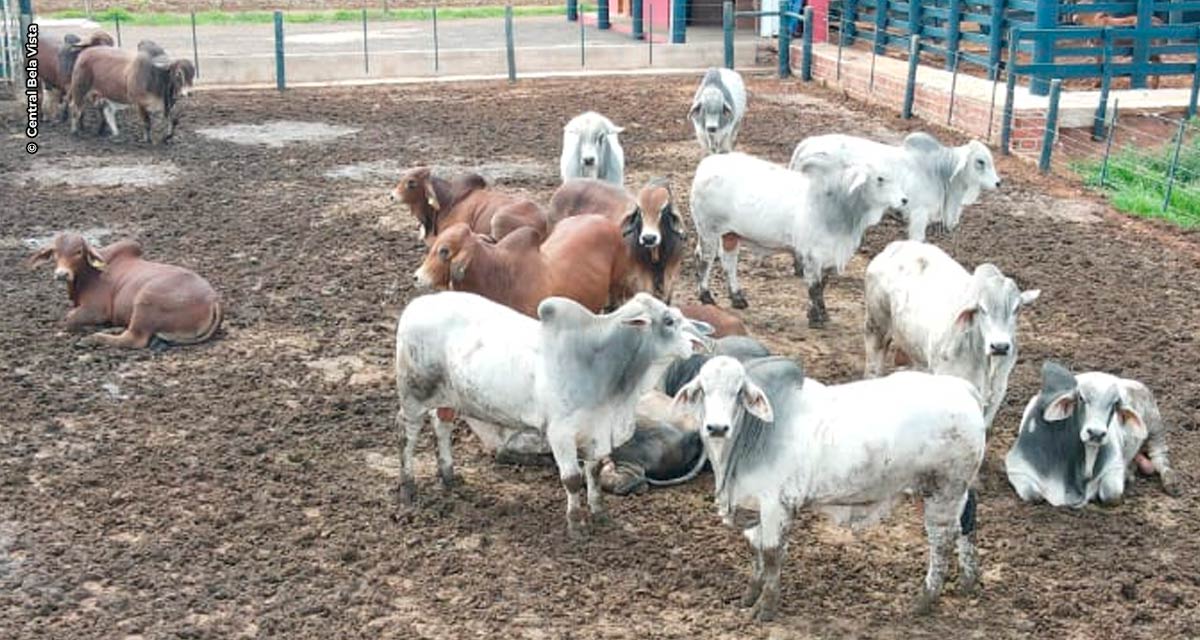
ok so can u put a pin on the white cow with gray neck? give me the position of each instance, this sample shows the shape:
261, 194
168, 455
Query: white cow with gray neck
944, 319
1080, 438
718, 109
591, 149
939, 180
572, 378
780, 442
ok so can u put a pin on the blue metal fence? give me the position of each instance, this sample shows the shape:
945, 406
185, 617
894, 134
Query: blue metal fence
976, 32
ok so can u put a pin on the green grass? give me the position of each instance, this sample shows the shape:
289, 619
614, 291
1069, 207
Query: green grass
301, 17
1137, 178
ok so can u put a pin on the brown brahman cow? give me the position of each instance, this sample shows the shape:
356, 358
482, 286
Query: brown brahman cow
437, 204
115, 286
116, 78
652, 229
724, 323
583, 259
56, 61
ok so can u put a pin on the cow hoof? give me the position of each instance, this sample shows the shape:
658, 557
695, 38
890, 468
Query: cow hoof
764, 610
449, 479
1170, 484
706, 297
407, 493
924, 604
969, 587
817, 321
751, 596
738, 300
578, 532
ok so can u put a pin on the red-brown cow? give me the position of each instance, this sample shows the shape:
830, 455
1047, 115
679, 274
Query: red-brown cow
724, 323
115, 286
1102, 19
652, 229
583, 259
438, 203
56, 61
116, 78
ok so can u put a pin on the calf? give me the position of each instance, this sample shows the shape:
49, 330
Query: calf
652, 228
724, 323
569, 376
780, 442
942, 318
116, 78
718, 109
583, 259
438, 203
115, 286
938, 180
591, 149
56, 62
817, 213
1080, 437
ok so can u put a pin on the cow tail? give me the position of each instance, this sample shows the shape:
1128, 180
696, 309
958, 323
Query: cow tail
687, 477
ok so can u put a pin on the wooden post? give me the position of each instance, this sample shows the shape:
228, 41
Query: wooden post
366, 54
1105, 84
1051, 126
280, 75
437, 63
910, 87
1045, 17
996, 39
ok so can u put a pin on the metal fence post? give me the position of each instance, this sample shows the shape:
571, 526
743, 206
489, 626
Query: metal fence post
1046, 17
582, 45
1051, 126
1174, 164
727, 31
1105, 85
841, 43
1112, 133
785, 45
650, 40
280, 82
914, 18
195, 46
996, 39
679, 22
572, 10
117, 22
638, 28
910, 87
1191, 110
954, 60
602, 18
1141, 45
806, 42
1010, 93
849, 30
366, 56
953, 31
881, 9
437, 63
992, 108
509, 47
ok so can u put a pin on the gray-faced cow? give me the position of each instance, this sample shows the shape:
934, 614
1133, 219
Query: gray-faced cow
570, 376
114, 79
944, 319
1082, 435
115, 286
779, 442
591, 149
718, 109
438, 203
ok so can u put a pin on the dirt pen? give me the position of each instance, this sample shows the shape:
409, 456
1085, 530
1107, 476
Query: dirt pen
244, 488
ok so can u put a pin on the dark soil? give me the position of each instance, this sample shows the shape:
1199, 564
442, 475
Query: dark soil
244, 488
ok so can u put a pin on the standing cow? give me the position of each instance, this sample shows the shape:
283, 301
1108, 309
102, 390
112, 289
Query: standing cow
779, 442
1081, 436
570, 376
591, 149
718, 109
817, 213
938, 180
56, 62
944, 319
118, 78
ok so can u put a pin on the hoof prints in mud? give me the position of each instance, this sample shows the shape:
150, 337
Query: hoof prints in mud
491, 171
278, 133
99, 172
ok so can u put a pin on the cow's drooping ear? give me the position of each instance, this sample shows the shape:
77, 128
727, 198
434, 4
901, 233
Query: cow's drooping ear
857, 181
756, 402
1027, 297
1130, 419
966, 317
431, 197
689, 397
1061, 407
695, 110
639, 321
727, 109
40, 256
94, 258
964, 158
458, 267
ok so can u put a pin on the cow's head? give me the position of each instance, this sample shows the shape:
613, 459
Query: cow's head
183, 76
653, 221
446, 264
594, 134
974, 170
711, 112
1098, 411
986, 322
875, 186
718, 395
415, 189
74, 259
670, 335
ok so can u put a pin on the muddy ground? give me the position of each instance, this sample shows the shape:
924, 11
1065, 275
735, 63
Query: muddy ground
244, 488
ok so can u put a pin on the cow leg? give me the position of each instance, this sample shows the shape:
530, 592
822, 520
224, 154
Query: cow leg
706, 249
1111, 490
443, 428
817, 315
409, 421
81, 317
772, 527
876, 345
129, 339
797, 265
1156, 449
942, 530
754, 589
968, 557
110, 118
595, 497
729, 259
918, 219
562, 444
147, 124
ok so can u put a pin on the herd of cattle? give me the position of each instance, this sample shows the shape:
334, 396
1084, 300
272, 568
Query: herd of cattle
552, 335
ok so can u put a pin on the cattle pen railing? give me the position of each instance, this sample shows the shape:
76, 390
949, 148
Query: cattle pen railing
788, 21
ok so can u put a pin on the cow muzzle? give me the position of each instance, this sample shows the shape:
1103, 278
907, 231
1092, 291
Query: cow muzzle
649, 240
589, 161
717, 430
1096, 436
999, 348
711, 128
62, 275
421, 278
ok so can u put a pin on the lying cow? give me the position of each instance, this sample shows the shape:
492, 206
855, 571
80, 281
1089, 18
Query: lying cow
56, 62
583, 259
1080, 437
569, 376
942, 318
724, 323
438, 203
591, 149
718, 109
114, 79
939, 181
817, 213
115, 286
778, 441
652, 228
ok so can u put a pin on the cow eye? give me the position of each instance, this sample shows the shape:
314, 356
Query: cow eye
669, 321
879, 179
412, 184
444, 253
980, 163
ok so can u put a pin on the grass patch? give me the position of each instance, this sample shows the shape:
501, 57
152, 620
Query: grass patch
1137, 179
210, 18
